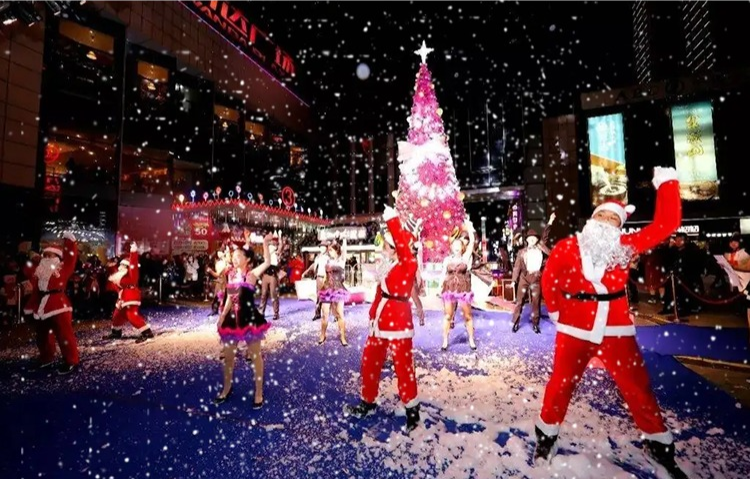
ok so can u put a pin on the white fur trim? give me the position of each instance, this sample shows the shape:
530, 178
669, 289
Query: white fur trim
663, 175
124, 263
621, 212
53, 250
69, 236
28, 311
128, 303
661, 437
548, 429
554, 315
594, 275
414, 402
144, 328
389, 213
53, 313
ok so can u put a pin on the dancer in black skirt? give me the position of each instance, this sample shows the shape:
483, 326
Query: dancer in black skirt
241, 321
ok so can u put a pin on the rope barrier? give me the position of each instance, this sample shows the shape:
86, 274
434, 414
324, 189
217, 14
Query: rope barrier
714, 302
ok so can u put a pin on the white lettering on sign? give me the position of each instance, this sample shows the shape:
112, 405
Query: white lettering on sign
687, 229
351, 234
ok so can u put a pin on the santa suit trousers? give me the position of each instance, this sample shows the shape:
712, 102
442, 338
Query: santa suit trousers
533, 289
60, 328
373, 358
129, 314
269, 284
622, 359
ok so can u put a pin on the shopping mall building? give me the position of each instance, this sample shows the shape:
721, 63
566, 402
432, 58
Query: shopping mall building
112, 110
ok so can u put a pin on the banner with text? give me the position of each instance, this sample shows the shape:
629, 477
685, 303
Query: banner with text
694, 152
609, 180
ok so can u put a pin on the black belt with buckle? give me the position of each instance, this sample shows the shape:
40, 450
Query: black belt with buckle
394, 298
51, 291
596, 297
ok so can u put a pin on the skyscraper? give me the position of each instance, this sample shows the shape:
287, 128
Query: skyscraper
673, 39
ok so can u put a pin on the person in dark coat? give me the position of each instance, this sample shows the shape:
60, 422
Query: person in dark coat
527, 274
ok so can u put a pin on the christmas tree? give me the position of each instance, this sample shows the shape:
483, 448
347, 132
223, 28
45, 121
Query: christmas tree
427, 187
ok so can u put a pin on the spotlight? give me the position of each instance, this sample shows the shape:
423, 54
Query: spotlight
56, 7
6, 13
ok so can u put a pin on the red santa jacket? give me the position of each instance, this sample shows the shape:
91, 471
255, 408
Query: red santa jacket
296, 266
568, 271
391, 318
44, 306
129, 294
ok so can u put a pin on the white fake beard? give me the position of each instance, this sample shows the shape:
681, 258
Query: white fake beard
47, 268
117, 277
601, 242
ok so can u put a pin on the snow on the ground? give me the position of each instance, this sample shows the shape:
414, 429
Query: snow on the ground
478, 409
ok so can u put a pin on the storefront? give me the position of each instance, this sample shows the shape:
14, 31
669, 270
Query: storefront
202, 227
141, 101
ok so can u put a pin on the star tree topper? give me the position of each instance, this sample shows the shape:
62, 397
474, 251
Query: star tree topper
424, 51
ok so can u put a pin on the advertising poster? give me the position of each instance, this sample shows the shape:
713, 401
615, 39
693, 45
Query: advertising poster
200, 225
694, 153
609, 179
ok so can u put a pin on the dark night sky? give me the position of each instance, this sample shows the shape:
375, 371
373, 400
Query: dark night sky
483, 51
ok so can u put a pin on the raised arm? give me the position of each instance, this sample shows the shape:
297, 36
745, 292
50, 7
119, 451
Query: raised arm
260, 269
553, 276
544, 243
467, 257
70, 253
401, 238
667, 215
134, 270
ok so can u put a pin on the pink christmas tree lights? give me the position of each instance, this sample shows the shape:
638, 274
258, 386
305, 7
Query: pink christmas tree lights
428, 188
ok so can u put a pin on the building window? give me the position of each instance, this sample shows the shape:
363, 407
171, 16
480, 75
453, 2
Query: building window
153, 82
85, 58
254, 132
297, 156
227, 120
145, 170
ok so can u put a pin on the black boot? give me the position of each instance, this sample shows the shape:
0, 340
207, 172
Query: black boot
663, 455
145, 335
361, 410
546, 446
114, 334
536, 329
516, 326
412, 418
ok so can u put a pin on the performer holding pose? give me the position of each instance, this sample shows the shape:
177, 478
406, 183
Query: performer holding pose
51, 307
528, 270
241, 321
334, 293
457, 284
128, 299
391, 326
272, 276
584, 284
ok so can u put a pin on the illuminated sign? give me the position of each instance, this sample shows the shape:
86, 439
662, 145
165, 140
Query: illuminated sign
687, 229
694, 153
609, 180
238, 30
358, 233
288, 197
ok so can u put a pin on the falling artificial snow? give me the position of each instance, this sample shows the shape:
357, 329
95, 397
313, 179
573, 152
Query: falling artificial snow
152, 402
363, 71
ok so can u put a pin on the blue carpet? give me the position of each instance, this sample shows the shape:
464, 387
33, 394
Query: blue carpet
145, 411
729, 344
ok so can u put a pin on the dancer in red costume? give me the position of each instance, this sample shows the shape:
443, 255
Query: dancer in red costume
51, 308
391, 326
584, 286
128, 299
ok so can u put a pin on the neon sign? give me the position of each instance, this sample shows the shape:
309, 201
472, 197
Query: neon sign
237, 29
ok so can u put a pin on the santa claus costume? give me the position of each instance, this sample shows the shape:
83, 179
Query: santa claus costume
128, 299
51, 307
391, 327
584, 286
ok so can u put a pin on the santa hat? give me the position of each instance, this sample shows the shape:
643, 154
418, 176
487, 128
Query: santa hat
125, 263
619, 208
53, 250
